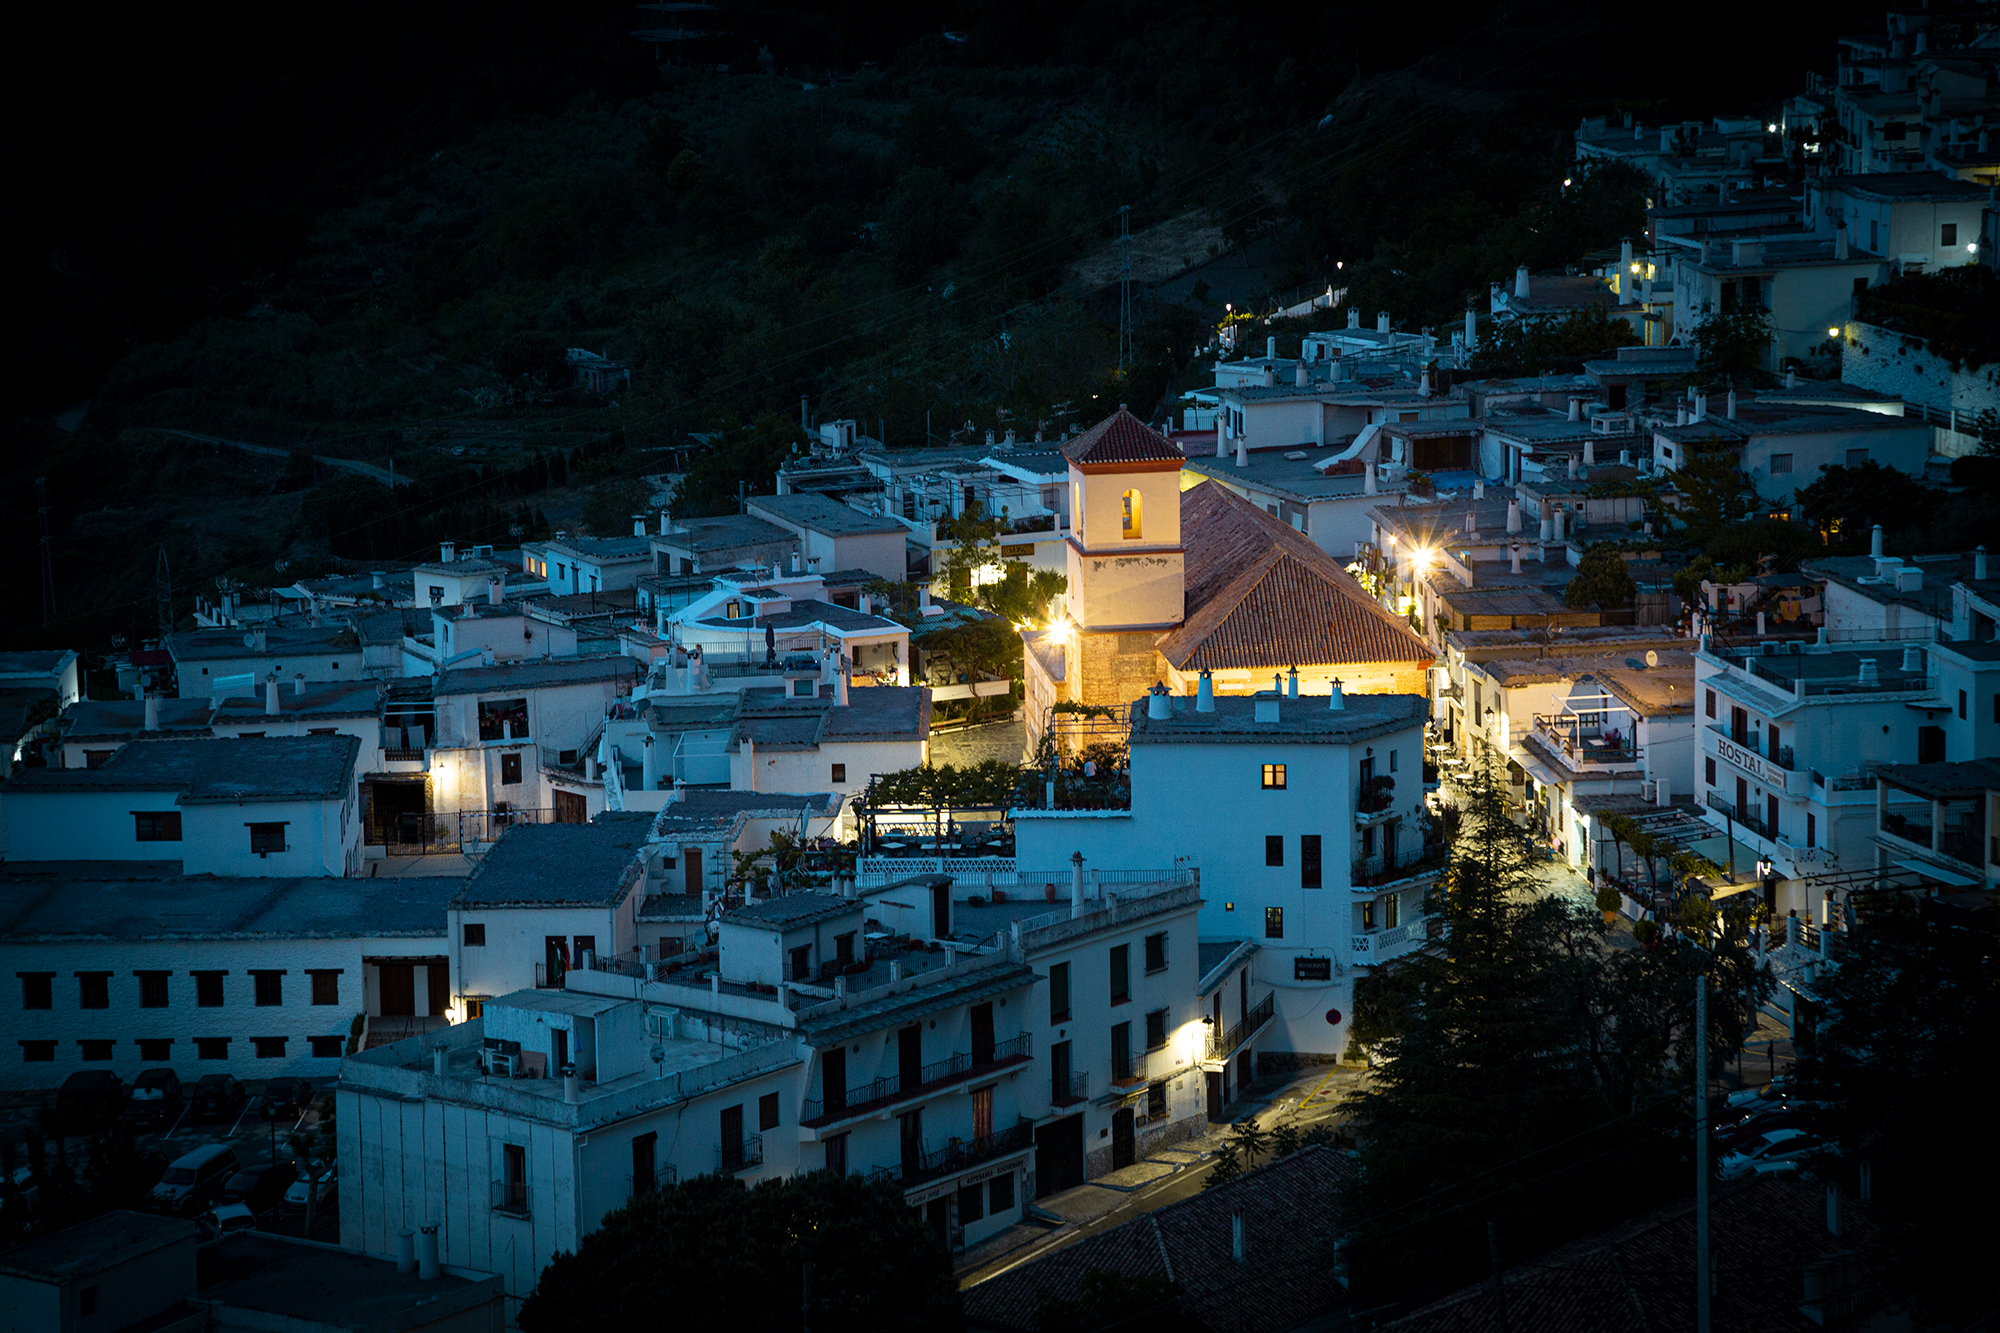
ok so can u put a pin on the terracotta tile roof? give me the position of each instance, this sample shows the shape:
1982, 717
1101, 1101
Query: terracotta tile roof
1291, 1226
1638, 1275
1261, 595
1120, 438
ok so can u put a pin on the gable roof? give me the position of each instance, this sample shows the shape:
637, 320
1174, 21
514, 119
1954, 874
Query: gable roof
549, 865
1261, 595
1120, 438
214, 771
1292, 1224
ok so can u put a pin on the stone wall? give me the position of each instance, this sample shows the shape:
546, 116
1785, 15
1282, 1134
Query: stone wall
1872, 357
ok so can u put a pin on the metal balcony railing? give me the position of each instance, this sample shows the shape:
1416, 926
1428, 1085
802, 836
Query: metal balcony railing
962, 1155
511, 1197
1746, 817
930, 1077
1076, 1090
732, 1158
662, 1177
1222, 1046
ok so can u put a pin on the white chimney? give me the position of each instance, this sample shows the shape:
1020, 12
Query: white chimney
1840, 243
406, 1251
152, 712
1514, 554
1521, 282
447, 552
1381, 321
1479, 488
1076, 885
1869, 674
1271, 349
1576, 409
795, 562
1270, 379
1353, 317
1292, 683
1572, 467
494, 595
1979, 562
1471, 328
1732, 404
1548, 527
924, 597
638, 525
440, 1060
376, 579
1589, 451
1560, 514
299, 682
1242, 454
1875, 541
1159, 705
666, 523
1701, 407
1514, 515
1760, 624
1913, 658
1680, 414
1221, 445
1337, 701
1301, 375
1204, 693
840, 685
749, 764
1628, 281
1368, 483
271, 695
1792, 379
649, 767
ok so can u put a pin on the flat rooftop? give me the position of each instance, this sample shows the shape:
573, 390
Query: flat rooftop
325, 1286
1306, 719
1298, 478
538, 673
820, 514
594, 864
140, 901
207, 770
89, 1247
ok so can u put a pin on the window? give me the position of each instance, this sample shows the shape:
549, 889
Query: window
840, 772
152, 989
1131, 515
437, 593
1857, 457
325, 984
503, 719
1274, 849
475, 934
1948, 234
211, 1048
208, 990
93, 990
38, 1052
510, 770
1156, 1101
1368, 770
323, 731
1392, 761
1156, 1029
270, 988
971, 1203
1000, 1194
1121, 1051
156, 826
327, 1048
98, 758
1274, 777
1368, 841
37, 990
1368, 915
767, 1111
801, 963
1392, 911
836, 1154
1708, 770
96, 1050
86, 1300
1058, 993
1812, 829
1121, 973
1780, 463
1709, 706
843, 950
266, 838
1156, 952
1309, 875
1961, 705
156, 1050
269, 1048
1274, 923
512, 1194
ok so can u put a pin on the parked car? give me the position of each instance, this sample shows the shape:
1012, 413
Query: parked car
259, 1188
328, 1181
1778, 1145
90, 1098
218, 1096
286, 1098
1748, 1128
226, 1220
155, 1097
194, 1179
1774, 1091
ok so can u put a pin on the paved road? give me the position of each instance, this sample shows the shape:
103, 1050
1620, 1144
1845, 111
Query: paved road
353, 465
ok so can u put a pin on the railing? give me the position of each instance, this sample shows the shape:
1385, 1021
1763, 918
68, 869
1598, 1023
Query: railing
731, 1158
1223, 1046
1077, 1091
510, 1197
1784, 758
663, 1177
930, 1078
1965, 847
1369, 872
1749, 820
1909, 830
957, 1155
395, 742
1379, 946
488, 825
549, 977
1586, 743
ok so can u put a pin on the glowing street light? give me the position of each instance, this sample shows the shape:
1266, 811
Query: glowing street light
1833, 333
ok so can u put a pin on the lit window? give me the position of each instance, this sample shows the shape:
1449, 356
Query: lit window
1274, 777
1131, 514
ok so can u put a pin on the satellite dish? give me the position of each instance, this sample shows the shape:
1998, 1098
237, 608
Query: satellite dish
1652, 658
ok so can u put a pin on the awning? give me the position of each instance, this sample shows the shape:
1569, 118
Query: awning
1537, 770
1938, 873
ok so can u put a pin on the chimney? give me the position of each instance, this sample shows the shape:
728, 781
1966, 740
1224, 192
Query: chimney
1271, 349
1840, 243
1978, 563
649, 764
447, 552
840, 684
1353, 317
1624, 458
1628, 281
298, 682
1336, 702
1471, 328
666, 523
1381, 321
1560, 514
1514, 515
1666, 141
1479, 488
1076, 885
1159, 704
924, 597
1548, 527
427, 1253
1270, 377
1680, 414
1521, 282
1869, 675
1242, 453
749, 763
1204, 693
1575, 408
1701, 407
152, 712
1875, 541
376, 580
1368, 483
1792, 379
1221, 446
1913, 658
795, 562
1238, 1245
1514, 555
1302, 375
1572, 467
406, 1251
1589, 451
494, 594
638, 525
440, 1060
1292, 683
271, 695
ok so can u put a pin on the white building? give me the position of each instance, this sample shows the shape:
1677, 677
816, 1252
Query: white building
57, 670
264, 806
219, 663
753, 741
1784, 448
248, 976
90, 732
573, 565
838, 536
1312, 838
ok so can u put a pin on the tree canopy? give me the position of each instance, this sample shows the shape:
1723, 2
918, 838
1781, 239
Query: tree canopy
723, 1256
1602, 580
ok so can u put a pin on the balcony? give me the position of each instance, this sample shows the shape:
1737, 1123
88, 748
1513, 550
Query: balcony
510, 1197
1379, 946
1223, 1045
744, 1155
1741, 817
1377, 799
931, 1078
1580, 742
1779, 770
1077, 1090
963, 1154
1373, 873
662, 1178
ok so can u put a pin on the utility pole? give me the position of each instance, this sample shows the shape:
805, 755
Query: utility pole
1124, 287
48, 569
1704, 1295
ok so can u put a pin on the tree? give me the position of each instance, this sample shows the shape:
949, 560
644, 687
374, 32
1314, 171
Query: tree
1022, 595
973, 552
921, 221
1602, 580
1730, 344
1542, 346
1716, 489
731, 1257
1845, 502
1908, 1016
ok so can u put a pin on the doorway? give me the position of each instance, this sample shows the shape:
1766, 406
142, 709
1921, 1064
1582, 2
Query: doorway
399, 989
1213, 1078
1059, 1156
400, 820
909, 1058
1122, 1147
691, 859
571, 808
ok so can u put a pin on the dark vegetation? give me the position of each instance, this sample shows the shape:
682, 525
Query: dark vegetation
376, 241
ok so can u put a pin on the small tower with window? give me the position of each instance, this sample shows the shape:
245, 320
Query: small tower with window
1126, 565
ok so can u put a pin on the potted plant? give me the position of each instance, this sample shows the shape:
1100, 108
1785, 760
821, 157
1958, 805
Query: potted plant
1607, 901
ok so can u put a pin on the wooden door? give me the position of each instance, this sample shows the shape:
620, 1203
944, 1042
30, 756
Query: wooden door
982, 1034
571, 808
909, 1057
1214, 1079
399, 989
691, 859
1122, 1153
1059, 1156
833, 1080
439, 970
